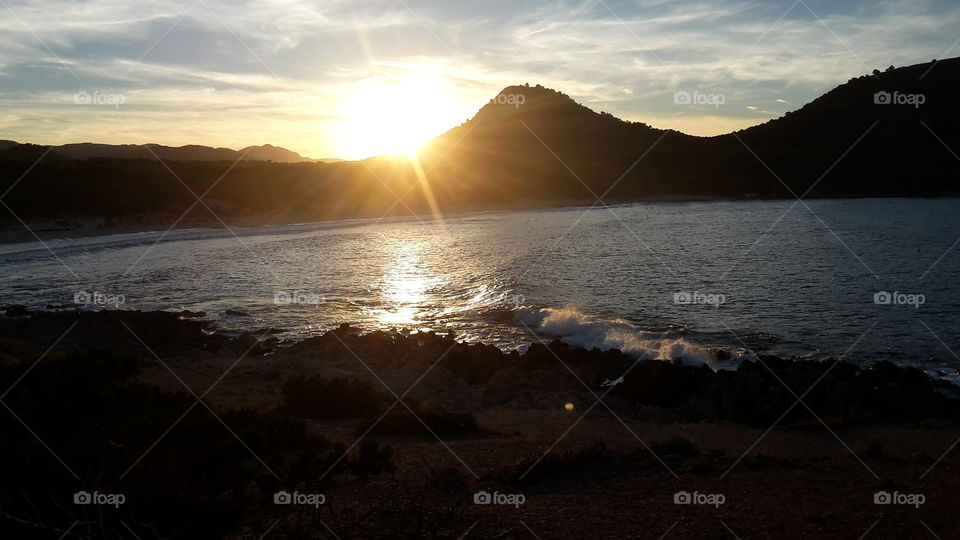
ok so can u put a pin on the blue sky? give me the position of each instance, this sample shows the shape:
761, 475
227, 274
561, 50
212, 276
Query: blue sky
316, 77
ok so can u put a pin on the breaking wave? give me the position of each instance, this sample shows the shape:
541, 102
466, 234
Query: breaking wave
575, 328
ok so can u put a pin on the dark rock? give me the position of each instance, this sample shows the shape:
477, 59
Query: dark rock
757, 393
17, 311
268, 330
121, 331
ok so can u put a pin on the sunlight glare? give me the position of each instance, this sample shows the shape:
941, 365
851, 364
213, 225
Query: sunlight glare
406, 286
395, 115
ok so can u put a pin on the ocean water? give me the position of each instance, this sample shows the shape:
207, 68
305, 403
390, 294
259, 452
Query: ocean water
660, 280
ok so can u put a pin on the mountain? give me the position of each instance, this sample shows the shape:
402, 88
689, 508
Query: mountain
892, 133
552, 146
540, 147
191, 152
11, 151
268, 152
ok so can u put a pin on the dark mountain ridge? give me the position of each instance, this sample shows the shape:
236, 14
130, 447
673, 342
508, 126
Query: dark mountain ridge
532, 146
190, 152
886, 148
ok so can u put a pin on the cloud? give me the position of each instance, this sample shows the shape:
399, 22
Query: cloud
242, 71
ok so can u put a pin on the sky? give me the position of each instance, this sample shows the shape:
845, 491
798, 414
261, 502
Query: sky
350, 79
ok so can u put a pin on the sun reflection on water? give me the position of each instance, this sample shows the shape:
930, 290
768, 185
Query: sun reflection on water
406, 286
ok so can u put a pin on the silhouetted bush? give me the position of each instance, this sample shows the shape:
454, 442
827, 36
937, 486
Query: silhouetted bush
182, 469
676, 446
371, 458
400, 422
320, 398
588, 464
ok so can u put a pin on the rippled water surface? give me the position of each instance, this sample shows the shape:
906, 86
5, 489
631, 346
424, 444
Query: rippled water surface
764, 276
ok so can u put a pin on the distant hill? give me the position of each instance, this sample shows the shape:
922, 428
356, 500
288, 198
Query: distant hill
529, 147
267, 152
28, 153
541, 147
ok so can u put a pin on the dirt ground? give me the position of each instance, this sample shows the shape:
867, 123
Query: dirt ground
795, 481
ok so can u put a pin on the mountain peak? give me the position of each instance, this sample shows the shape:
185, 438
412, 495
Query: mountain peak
538, 96
534, 105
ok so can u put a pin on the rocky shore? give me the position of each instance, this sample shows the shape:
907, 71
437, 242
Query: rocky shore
400, 432
471, 376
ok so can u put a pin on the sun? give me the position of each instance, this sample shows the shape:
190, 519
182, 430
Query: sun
394, 115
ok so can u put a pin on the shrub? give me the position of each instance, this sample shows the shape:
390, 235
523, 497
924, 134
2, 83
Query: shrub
371, 459
676, 446
319, 398
593, 461
400, 422
112, 432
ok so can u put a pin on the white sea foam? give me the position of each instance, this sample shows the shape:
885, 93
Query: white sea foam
574, 327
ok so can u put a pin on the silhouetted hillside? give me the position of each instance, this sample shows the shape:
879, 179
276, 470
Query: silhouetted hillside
26, 153
532, 146
544, 145
191, 152
538, 148
905, 151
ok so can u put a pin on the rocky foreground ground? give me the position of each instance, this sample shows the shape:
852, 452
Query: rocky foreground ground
377, 435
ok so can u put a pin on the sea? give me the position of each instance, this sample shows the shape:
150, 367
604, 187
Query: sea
711, 283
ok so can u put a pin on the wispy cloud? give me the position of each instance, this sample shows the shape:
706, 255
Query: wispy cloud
277, 70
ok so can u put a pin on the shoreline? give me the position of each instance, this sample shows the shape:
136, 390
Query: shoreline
77, 227
718, 358
190, 334
113, 388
